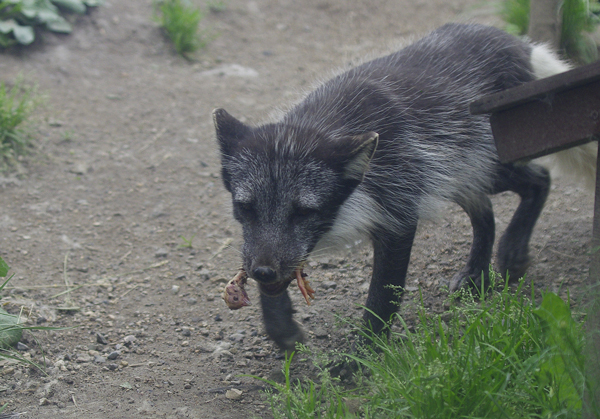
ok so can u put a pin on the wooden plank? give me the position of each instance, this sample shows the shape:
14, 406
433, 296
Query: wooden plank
536, 90
548, 124
591, 400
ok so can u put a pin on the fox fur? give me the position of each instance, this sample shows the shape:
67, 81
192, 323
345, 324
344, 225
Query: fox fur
374, 150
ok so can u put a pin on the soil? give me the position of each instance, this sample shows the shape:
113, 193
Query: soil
126, 172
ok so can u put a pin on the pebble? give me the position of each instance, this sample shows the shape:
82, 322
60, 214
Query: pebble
237, 337
113, 355
129, 340
191, 301
175, 289
328, 285
234, 394
98, 359
204, 274
83, 358
320, 333
22, 347
101, 339
161, 253
112, 367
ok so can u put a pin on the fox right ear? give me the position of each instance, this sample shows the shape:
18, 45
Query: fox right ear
229, 130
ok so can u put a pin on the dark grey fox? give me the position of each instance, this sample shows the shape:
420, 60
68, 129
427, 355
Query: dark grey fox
370, 153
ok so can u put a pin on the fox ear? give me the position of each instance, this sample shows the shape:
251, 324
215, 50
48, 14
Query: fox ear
229, 130
360, 156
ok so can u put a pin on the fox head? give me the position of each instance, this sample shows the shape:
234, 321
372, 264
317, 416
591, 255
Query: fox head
287, 185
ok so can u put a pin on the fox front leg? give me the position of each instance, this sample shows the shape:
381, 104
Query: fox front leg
279, 323
391, 254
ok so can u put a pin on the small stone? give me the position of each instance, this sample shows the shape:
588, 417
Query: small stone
22, 347
112, 367
175, 289
101, 339
329, 285
234, 394
218, 318
129, 340
237, 337
83, 358
191, 301
204, 274
186, 331
320, 333
113, 355
161, 253
41, 320
98, 359
180, 277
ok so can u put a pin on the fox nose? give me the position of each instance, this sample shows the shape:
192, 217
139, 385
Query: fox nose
264, 274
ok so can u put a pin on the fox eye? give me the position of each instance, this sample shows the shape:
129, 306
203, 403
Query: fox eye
245, 208
304, 211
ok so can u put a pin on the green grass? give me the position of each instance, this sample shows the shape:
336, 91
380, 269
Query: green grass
500, 356
12, 326
16, 105
579, 19
180, 20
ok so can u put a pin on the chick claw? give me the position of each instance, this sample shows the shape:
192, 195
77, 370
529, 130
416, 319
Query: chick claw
304, 286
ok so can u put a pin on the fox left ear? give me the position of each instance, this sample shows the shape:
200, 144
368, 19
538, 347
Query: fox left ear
360, 156
229, 130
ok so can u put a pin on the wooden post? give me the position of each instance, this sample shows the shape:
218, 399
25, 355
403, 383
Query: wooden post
591, 400
545, 22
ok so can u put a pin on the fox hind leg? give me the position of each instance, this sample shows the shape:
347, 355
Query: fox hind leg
482, 219
532, 184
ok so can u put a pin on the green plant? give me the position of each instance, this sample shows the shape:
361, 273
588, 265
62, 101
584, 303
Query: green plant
496, 356
180, 20
578, 20
12, 327
187, 243
18, 18
306, 400
16, 105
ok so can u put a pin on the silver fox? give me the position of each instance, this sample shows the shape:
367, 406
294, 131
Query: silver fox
372, 151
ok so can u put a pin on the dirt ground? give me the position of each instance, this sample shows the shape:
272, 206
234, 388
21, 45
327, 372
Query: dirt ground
127, 165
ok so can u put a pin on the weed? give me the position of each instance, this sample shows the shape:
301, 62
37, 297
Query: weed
180, 20
494, 356
16, 105
578, 20
187, 243
12, 327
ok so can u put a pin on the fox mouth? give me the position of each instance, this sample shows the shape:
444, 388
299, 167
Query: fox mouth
277, 288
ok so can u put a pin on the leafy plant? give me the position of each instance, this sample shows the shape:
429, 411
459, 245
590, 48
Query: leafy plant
180, 20
16, 105
18, 18
578, 20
